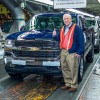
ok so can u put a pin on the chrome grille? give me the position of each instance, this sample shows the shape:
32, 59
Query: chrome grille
36, 54
48, 49
38, 43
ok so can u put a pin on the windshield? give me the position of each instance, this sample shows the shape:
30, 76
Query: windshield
90, 23
46, 22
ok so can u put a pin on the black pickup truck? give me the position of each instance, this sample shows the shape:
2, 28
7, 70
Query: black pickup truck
33, 50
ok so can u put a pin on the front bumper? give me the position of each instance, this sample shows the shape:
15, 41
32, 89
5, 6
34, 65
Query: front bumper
31, 66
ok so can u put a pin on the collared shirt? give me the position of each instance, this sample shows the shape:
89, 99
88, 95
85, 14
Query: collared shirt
67, 28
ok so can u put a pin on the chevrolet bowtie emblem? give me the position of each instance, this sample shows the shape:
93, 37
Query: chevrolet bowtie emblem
34, 48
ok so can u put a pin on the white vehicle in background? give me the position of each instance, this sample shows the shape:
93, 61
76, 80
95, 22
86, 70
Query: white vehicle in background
95, 23
1, 44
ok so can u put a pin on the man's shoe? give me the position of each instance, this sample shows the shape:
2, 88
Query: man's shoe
72, 89
65, 87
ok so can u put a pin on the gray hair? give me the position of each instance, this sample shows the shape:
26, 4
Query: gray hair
67, 14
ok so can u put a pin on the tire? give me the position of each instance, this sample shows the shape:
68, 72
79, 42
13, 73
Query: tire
47, 78
80, 69
90, 55
16, 76
97, 50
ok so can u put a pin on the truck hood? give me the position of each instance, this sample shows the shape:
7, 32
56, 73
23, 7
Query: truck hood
30, 35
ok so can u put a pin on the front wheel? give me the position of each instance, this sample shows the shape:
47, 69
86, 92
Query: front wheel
16, 76
90, 55
80, 69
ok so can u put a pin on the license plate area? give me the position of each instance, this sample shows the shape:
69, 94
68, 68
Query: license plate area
19, 62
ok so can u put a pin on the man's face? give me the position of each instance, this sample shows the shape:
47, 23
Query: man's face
67, 19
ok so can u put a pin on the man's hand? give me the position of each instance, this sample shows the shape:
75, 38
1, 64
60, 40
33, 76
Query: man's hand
54, 32
77, 55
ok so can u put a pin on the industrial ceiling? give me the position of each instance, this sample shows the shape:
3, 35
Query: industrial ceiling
93, 7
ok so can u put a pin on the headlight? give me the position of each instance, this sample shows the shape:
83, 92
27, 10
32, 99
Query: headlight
9, 43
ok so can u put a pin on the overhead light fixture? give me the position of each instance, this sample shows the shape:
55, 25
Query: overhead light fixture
49, 2
99, 1
80, 12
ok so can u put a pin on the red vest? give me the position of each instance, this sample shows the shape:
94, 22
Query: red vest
67, 41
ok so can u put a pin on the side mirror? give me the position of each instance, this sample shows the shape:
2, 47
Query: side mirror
22, 28
84, 29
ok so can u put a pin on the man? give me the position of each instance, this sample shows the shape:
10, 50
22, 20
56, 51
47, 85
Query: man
72, 47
